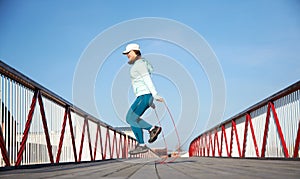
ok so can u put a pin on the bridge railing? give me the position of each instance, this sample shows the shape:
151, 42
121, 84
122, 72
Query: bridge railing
270, 128
37, 127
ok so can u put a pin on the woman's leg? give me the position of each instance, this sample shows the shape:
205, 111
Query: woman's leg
137, 109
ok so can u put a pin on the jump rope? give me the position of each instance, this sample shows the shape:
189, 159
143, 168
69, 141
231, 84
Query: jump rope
165, 159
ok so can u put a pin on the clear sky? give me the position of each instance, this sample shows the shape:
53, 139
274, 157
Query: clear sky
256, 44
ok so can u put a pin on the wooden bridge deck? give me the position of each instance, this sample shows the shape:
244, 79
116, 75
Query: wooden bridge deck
181, 168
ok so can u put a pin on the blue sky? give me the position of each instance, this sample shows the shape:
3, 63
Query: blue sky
257, 44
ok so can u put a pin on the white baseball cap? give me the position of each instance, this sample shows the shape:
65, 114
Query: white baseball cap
130, 47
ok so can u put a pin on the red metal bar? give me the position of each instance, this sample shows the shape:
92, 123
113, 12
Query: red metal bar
82, 139
109, 144
62, 135
72, 135
101, 143
204, 144
191, 149
195, 149
263, 150
236, 137
96, 142
224, 132
120, 146
245, 135
27, 127
210, 146
89, 139
253, 135
199, 147
203, 140
125, 147
106, 140
283, 143
296, 149
200, 142
3, 149
231, 141
219, 147
129, 146
42, 110
207, 144
215, 137
113, 144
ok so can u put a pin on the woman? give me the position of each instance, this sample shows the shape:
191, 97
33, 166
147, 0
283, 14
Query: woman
145, 92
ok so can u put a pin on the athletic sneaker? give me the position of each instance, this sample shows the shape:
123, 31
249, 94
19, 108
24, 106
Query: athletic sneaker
139, 149
154, 133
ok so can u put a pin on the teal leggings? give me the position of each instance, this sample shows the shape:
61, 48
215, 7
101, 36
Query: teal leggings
133, 117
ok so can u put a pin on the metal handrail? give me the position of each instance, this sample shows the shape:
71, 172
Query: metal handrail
118, 142
213, 139
288, 90
20, 78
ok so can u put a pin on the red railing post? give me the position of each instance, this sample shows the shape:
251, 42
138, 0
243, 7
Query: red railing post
62, 135
211, 147
222, 136
245, 135
296, 149
271, 106
101, 143
42, 110
218, 145
215, 137
231, 140
107, 140
203, 142
120, 146
283, 143
114, 142
72, 135
253, 135
236, 137
124, 149
199, 146
82, 139
85, 125
89, 138
3, 149
263, 150
96, 142
224, 132
27, 127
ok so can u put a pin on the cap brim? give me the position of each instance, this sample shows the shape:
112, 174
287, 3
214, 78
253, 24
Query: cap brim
125, 52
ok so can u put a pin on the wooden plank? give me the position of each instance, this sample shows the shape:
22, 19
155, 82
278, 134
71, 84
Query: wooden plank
146, 172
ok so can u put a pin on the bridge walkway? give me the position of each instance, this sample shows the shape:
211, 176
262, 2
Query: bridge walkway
194, 167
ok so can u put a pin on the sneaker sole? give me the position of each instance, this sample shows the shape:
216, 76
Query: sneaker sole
155, 136
140, 152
